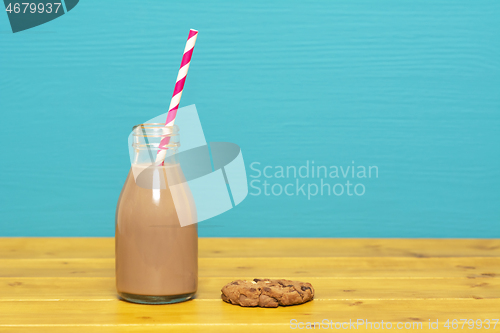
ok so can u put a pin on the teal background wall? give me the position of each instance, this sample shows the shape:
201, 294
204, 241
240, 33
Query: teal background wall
412, 87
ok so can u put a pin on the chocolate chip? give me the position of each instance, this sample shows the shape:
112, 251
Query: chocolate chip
303, 288
253, 290
290, 285
235, 283
267, 289
257, 280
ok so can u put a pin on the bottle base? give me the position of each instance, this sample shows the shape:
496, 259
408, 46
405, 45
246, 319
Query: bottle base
149, 299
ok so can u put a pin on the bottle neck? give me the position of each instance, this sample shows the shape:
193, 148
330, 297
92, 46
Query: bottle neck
155, 144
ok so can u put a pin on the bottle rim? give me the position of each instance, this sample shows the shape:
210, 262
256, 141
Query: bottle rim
155, 130
148, 136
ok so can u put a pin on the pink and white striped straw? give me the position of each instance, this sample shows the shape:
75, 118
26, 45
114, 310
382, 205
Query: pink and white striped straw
179, 86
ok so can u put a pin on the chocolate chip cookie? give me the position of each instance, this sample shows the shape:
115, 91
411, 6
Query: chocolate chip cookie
267, 293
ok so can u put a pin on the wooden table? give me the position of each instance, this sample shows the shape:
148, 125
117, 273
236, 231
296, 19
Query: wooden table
67, 285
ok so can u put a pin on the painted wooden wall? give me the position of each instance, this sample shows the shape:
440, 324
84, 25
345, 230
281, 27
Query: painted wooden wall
412, 87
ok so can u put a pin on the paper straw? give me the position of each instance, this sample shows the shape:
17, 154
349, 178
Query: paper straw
179, 86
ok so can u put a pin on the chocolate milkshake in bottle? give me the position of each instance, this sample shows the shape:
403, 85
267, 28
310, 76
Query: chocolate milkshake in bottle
156, 258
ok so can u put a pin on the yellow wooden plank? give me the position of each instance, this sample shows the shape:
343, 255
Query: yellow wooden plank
56, 247
273, 267
383, 279
222, 328
348, 247
103, 289
19, 248
201, 312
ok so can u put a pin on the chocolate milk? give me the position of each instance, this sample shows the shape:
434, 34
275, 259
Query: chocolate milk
156, 258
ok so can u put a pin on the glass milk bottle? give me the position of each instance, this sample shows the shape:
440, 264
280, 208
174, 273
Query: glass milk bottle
156, 258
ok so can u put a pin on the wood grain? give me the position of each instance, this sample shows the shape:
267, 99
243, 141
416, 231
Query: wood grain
103, 288
49, 248
228, 328
61, 285
209, 312
355, 267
